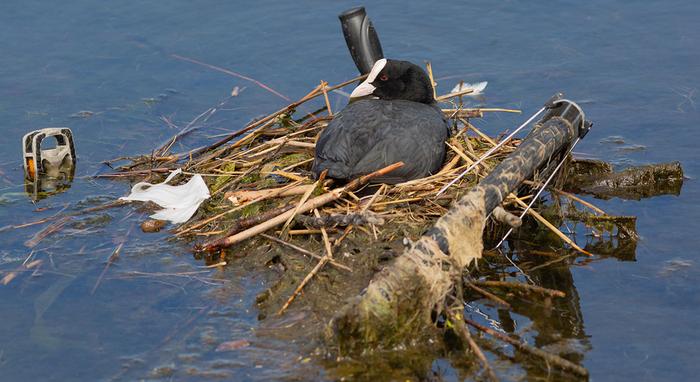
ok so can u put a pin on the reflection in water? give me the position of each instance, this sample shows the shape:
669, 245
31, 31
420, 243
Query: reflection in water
44, 185
555, 325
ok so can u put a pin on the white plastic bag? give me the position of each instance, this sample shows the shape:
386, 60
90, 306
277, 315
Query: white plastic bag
179, 202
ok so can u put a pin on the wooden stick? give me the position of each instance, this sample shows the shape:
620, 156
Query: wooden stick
552, 228
318, 267
324, 86
308, 206
462, 331
548, 357
304, 251
583, 202
237, 208
478, 132
303, 200
452, 95
489, 295
243, 224
522, 286
311, 95
242, 196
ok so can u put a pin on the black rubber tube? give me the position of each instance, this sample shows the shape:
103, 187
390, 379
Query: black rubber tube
361, 38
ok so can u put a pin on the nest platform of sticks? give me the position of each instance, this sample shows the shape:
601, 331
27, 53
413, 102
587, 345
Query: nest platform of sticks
262, 190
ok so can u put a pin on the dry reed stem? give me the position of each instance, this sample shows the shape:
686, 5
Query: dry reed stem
304, 251
583, 202
460, 93
218, 216
324, 86
552, 228
242, 196
303, 200
307, 206
433, 84
316, 269
478, 132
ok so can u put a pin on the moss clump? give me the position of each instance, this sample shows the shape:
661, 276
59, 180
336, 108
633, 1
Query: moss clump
222, 180
291, 159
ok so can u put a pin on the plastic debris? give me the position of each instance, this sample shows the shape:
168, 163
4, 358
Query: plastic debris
179, 202
49, 161
477, 88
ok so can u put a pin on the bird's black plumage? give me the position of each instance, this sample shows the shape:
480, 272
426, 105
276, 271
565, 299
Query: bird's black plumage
403, 124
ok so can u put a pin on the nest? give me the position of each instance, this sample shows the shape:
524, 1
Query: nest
267, 169
261, 185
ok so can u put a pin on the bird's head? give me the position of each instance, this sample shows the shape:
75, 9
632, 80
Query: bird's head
393, 79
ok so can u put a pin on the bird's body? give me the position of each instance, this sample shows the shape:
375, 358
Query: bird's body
403, 125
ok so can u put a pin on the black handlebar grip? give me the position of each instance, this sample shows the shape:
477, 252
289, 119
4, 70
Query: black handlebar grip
361, 38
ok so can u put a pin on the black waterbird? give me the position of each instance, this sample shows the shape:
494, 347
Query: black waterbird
402, 122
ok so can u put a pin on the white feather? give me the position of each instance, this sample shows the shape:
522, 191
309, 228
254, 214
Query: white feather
476, 88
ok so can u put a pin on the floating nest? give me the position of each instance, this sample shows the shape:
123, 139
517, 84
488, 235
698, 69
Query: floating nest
263, 171
261, 186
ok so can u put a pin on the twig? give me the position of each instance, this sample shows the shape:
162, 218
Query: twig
488, 295
303, 200
304, 251
583, 202
237, 208
552, 228
445, 97
324, 86
112, 258
231, 73
321, 263
127, 174
309, 205
548, 357
51, 229
462, 331
521, 286
313, 94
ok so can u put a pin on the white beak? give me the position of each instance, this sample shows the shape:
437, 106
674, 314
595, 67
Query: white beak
366, 88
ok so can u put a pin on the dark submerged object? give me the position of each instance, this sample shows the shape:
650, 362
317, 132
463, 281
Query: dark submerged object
403, 125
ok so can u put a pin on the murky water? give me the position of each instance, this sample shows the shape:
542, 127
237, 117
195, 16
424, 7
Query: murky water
109, 72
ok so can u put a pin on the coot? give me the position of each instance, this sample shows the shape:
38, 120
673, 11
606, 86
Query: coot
403, 123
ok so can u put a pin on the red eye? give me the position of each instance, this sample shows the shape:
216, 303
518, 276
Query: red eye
383, 77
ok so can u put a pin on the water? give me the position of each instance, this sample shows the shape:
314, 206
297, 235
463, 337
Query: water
635, 67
